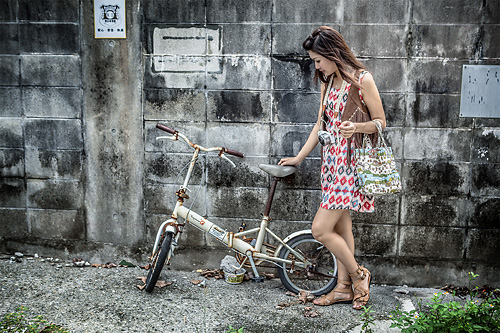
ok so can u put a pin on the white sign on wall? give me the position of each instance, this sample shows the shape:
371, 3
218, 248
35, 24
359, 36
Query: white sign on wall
480, 95
109, 19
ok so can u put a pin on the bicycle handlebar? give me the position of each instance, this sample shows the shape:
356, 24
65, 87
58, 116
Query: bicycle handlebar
221, 149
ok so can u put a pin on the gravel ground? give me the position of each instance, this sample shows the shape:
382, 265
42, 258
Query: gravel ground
90, 299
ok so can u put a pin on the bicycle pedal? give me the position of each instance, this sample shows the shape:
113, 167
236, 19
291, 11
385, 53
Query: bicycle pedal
258, 279
174, 243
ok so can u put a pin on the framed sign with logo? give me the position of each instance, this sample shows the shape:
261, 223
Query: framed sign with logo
109, 19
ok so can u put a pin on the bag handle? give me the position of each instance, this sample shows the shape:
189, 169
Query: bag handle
366, 139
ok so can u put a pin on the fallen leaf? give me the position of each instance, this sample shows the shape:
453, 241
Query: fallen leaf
124, 263
146, 267
268, 276
195, 281
311, 312
305, 296
289, 293
158, 284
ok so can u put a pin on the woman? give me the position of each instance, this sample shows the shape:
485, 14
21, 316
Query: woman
339, 71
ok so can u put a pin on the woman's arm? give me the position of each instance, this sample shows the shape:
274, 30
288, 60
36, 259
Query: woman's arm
311, 142
372, 100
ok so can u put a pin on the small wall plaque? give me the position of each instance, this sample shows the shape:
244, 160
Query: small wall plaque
480, 96
109, 19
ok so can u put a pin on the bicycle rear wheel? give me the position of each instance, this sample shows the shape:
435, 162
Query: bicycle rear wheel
319, 278
158, 262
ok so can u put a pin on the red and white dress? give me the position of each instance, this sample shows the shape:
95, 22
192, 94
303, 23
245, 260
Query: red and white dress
339, 181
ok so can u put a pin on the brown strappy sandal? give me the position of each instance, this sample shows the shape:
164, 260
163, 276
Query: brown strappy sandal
361, 295
329, 298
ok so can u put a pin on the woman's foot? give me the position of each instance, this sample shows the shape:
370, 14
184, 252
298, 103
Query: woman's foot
341, 294
361, 285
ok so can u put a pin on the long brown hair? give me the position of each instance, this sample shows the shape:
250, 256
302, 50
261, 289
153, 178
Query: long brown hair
330, 44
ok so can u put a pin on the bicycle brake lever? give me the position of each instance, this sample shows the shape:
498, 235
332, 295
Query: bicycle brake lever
227, 159
170, 137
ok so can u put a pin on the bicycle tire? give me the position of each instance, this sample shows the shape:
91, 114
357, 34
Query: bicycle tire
158, 262
318, 279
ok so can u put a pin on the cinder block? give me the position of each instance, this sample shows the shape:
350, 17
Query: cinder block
390, 75
195, 132
53, 133
52, 102
448, 11
375, 239
485, 213
9, 11
288, 140
11, 163
296, 205
48, 70
485, 179
491, 40
49, 38
245, 174
435, 211
9, 43
67, 11
362, 41
300, 11
444, 41
394, 139
395, 108
293, 72
387, 209
432, 110
240, 72
156, 77
234, 11
249, 139
57, 224
55, 194
11, 133
177, 11
491, 10
174, 104
236, 39
10, 73
288, 38
161, 198
238, 106
483, 245
12, 193
432, 243
172, 168
296, 107
438, 144
376, 11
435, 178
486, 145
10, 102
422, 78
236, 202
13, 223
55, 164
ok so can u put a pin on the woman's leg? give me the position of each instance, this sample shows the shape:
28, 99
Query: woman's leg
333, 228
342, 291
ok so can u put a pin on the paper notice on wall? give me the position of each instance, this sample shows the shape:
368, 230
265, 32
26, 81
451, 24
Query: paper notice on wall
109, 19
480, 94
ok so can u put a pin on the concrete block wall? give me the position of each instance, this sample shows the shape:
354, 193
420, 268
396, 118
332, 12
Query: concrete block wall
233, 73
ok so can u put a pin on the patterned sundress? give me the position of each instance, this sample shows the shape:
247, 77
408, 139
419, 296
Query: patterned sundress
339, 181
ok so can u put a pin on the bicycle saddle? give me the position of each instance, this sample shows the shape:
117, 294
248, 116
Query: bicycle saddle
278, 170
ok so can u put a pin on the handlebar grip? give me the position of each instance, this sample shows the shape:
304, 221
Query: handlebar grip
165, 128
235, 153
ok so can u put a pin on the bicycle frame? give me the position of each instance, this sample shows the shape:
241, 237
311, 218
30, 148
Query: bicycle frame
230, 239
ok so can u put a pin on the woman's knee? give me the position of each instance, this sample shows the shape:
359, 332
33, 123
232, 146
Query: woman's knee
318, 232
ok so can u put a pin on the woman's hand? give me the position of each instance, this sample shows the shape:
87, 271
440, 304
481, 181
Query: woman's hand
290, 161
347, 129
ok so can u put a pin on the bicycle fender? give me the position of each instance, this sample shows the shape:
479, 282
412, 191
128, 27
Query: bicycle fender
287, 238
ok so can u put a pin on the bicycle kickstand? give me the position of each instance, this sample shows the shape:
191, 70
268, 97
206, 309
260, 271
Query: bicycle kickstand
256, 277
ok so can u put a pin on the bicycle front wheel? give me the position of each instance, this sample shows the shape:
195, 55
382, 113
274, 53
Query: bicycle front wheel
318, 278
158, 262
